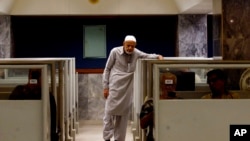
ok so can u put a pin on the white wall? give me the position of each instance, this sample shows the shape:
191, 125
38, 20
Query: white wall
40, 7
85, 7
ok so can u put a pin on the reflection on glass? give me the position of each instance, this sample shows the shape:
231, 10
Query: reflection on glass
20, 84
217, 80
191, 82
168, 83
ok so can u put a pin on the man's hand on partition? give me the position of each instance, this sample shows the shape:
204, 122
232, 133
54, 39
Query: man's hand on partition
160, 57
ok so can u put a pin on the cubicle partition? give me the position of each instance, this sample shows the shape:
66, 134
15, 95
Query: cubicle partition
23, 120
140, 92
70, 100
143, 87
192, 118
61, 83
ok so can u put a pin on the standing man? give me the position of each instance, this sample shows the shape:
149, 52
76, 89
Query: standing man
118, 87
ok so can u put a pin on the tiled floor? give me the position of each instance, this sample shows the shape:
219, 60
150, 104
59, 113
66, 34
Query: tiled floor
93, 132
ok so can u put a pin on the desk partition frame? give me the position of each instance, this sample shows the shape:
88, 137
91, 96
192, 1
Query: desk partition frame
191, 119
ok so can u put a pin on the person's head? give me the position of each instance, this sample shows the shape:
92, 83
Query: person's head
217, 81
168, 82
129, 44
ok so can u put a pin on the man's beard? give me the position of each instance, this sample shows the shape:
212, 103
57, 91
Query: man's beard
129, 53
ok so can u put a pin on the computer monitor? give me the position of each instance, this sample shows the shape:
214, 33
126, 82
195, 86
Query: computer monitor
185, 81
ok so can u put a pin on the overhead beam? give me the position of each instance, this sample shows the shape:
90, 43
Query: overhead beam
194, 6
5, 6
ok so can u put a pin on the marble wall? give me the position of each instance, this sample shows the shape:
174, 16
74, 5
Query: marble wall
236, 34
91, 100
5, 36
236, 31
192, 35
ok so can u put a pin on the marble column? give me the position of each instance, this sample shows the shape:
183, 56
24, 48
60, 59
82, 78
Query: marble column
5, 36
192, 35
236, 31
236, 35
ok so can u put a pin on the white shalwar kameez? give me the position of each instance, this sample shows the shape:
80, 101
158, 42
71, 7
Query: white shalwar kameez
118, 77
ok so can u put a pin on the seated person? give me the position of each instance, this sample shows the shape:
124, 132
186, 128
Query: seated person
217, 81
168, 83
147, 119
31, 90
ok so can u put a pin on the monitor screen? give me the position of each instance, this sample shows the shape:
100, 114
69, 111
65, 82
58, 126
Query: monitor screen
185, 81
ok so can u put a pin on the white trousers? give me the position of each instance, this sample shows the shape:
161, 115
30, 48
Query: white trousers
115, 126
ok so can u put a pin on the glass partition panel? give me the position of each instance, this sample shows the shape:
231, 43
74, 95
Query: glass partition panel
21, 82
184, 81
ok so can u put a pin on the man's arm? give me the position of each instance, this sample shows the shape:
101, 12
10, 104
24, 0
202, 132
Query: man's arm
148, 55
160, 57
106, 73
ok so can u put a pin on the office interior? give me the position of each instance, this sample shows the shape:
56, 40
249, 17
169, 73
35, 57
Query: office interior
212, 31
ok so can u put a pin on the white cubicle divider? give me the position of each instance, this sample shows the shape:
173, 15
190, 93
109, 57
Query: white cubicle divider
143, 87
178, 119
76, 125
140, 80
62, 83
197, 119
26, 120
70, 109
73, 100
66, 105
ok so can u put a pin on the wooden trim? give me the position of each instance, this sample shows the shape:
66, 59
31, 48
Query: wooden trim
86, 71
